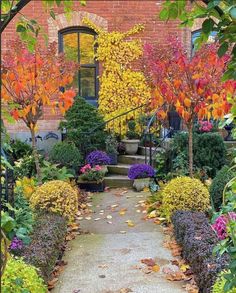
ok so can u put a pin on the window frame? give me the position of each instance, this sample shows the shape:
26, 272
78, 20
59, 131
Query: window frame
78, 30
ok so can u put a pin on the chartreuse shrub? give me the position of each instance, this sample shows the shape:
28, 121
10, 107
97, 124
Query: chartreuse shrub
57, 197
184, 193
219, 285
20, 277
66, 154
218, 185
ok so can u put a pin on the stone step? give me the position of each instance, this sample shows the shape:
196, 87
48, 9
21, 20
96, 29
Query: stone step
120, 169
131, 159
141, 150
115, 181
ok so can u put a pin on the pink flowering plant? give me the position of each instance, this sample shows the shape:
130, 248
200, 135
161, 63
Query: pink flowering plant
89, 173
220, 225
205, 126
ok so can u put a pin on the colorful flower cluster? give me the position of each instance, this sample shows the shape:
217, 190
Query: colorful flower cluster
90, 173
140, 171
205, 126
220, 224
16, 244
98, 158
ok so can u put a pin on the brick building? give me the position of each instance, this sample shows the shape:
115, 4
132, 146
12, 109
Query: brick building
111, 15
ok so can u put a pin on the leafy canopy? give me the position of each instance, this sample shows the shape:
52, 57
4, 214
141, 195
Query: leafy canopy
218, 16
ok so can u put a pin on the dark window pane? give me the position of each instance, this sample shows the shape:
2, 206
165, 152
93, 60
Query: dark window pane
86, 48
70, 44
87, 82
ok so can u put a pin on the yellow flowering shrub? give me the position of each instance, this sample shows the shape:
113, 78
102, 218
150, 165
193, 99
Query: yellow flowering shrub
184, 193
121, 87
26, 185
58, 197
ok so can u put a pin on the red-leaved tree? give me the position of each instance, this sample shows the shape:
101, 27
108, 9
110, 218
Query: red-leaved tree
191, 85
31, 81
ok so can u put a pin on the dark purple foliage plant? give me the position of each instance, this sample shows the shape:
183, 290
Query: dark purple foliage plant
137, 171
98, 158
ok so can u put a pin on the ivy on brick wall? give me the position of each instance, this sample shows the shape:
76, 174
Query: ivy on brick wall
121, 87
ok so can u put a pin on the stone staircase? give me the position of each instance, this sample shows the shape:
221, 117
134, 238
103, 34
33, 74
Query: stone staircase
117, 174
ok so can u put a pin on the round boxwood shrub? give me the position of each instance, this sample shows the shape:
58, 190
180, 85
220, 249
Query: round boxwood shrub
184, 193
66, 154
20, 277
219, 285
216, 189
57, 197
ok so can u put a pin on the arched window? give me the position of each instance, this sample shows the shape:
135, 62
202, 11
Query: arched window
78, 45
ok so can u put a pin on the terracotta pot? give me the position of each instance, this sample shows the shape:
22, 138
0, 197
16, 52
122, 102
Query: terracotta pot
131, 146
141, 183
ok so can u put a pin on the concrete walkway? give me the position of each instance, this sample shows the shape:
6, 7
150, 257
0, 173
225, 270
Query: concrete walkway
108, 260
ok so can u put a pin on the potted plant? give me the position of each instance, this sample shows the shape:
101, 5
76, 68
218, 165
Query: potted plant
92, 178
132, 139
141, 174
111, 148
98, 158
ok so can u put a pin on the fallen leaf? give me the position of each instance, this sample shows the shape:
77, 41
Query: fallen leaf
97, 219
149, 262
52, 283
114, 205
155, 268
109, 222
103, 266
123, 232
138, 211
80, 218
130, 223
152, 215
125, 290
109, 217
122, 212
88, 218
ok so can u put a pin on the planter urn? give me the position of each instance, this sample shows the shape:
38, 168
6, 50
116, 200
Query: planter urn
141, 183
131, 146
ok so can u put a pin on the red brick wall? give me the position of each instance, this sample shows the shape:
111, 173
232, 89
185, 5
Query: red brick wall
117, 15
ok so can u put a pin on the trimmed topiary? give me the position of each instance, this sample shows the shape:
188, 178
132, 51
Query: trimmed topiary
47, 243
80, 120
194, 233
57, 197
66, 154
219, 285
20, 277
184, 193
218, 184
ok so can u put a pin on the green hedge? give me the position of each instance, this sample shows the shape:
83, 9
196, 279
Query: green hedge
47, 243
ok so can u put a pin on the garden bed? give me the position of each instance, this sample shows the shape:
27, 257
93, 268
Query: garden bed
194, 233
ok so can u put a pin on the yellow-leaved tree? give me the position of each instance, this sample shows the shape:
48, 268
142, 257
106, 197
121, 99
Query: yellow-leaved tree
121, 87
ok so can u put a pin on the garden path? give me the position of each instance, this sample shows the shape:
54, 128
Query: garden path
108, 259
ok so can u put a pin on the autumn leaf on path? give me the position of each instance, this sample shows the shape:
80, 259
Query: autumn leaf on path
123, 211
130, 223
151, 265
52, 283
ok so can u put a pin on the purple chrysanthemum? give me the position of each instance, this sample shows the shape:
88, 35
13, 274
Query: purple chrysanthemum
98, 158
220, 224
140, 171
16, 244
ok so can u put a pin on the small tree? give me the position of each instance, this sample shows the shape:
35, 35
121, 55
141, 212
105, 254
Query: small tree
191, 85
32, 81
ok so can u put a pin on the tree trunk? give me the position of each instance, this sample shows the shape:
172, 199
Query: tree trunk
190, 148
36, 157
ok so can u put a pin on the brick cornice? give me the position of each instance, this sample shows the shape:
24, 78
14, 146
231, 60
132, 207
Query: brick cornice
61, 22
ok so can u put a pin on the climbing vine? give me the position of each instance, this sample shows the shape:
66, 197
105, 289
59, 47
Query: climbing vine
121, 87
